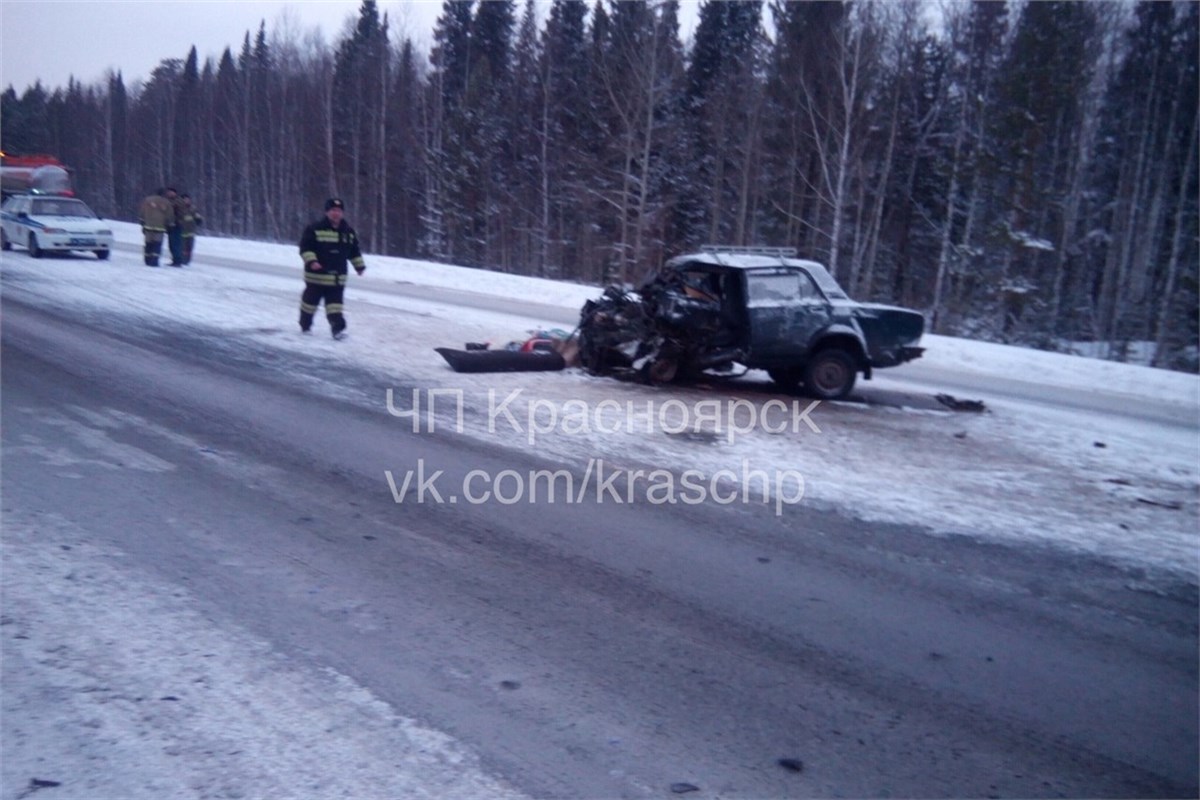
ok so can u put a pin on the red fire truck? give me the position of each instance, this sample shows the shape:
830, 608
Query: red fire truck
34, 174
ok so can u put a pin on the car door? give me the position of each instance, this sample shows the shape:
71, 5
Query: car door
786, 311
814, 312
13, 229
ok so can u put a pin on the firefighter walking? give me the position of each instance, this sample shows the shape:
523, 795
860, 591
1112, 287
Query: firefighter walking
327, 246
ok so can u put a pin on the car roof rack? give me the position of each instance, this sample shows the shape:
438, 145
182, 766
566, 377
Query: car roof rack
752, 250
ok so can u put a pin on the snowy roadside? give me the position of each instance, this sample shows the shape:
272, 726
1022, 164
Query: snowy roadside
1104, 485
116, 686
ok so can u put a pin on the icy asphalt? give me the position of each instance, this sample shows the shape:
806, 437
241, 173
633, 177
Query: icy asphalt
220, 492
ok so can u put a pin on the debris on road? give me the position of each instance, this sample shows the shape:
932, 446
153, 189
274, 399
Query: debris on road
543, 351
954, 404
501, 360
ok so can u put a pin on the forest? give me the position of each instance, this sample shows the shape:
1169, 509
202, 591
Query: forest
1020, 172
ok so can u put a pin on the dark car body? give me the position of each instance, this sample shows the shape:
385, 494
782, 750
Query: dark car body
757, 307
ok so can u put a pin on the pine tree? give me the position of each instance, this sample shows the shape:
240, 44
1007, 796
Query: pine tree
801, 76
564, 130
488, 133
1149, 251
723, 105
1035, 138
185, 128
976, 37
443, 217
361, 71
406, 113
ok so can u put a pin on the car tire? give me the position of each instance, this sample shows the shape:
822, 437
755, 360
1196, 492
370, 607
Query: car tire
34, 249
102, 254
786, 378
5, 244
830, 374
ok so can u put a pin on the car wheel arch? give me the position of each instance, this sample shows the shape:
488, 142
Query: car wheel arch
843, 339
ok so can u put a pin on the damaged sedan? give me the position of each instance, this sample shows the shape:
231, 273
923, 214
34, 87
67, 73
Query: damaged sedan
727, 309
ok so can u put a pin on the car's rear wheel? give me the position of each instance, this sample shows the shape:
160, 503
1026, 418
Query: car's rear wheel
830, 374
35, 250
5, 244
102, 254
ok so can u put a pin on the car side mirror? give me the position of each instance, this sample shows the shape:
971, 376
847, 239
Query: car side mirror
22, 214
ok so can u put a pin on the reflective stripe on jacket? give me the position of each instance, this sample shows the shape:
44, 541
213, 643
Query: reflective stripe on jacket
333, 248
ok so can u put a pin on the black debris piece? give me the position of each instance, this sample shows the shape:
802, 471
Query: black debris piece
502, 360
684, 788
954, 404
1168, 504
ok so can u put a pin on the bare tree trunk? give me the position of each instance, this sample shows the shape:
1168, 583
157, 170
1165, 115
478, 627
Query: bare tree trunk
1079, 168
1113, 311
877, 212
834, 168
380, 232
247, 222
748, 172
943, 265
543, 234
715, 206
1166, 297
327, 130
648, 138
109, 159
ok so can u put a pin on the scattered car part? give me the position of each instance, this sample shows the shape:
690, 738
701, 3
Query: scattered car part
502, 360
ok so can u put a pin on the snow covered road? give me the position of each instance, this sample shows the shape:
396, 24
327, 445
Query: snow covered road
200, 503
1099, 457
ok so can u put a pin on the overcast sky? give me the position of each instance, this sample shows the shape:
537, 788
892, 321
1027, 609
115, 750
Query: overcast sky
51, 40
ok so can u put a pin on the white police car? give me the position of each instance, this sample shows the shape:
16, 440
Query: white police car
43, 223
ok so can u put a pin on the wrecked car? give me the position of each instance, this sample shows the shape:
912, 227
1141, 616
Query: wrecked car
757, 308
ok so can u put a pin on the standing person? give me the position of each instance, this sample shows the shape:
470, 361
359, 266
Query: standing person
174, 230
326, 247
189, 220
155, 214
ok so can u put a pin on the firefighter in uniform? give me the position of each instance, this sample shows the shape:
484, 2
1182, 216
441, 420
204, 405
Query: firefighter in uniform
189, 220
174, 229
326, 247
155, 214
